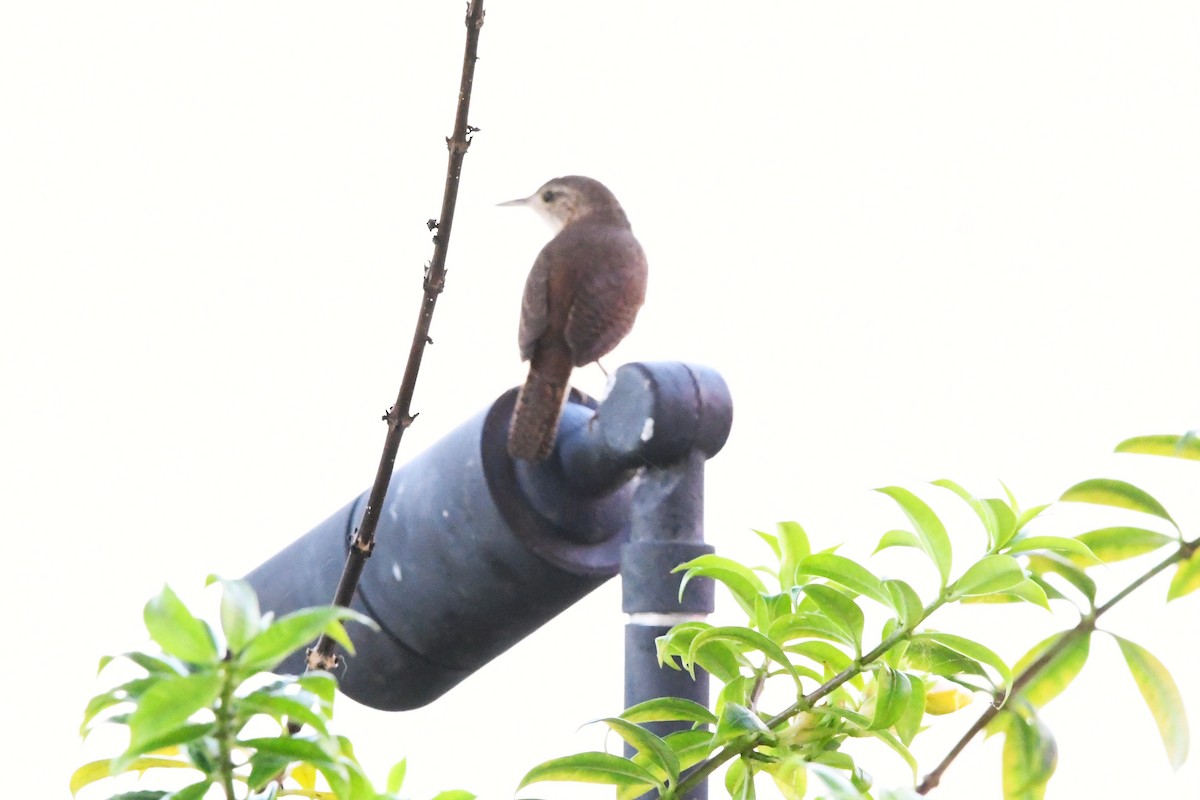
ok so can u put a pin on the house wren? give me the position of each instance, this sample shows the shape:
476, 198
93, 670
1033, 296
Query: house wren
581, 298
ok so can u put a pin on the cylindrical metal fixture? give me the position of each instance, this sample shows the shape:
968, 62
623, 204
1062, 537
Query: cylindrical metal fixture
464, 564
475, 550
667, 531
673, 417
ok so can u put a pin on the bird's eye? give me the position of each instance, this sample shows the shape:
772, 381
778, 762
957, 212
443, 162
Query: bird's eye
548, 196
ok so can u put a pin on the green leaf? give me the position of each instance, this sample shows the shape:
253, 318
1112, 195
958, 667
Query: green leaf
1006, 520
591, 767
127, 692
894, 655
168, 665
1029, 514
187, 734
909, 723
296, 748
1162, 697
264, 768
1047, 589
906, 601
893, 691
1186, 578
735, 691
743, 639
738, 721
194, 792
897, 538
794, 546
454, 794
646, 743
790, 777
1056, 676
204, 752
772, 541
1046, 562
177, 631
280, 708
858, 722
1028, 590
395, 778
338, 772
927, 655
972, 650
842, 570
989, 574
739, 781
724, 661
1075, 548
668, 709
1186, 446
240, 615
769, 607
838, 786
167, 705
1029, 759
1119, 494
840, 609
738, 579
946, 483
321, 684
827, 655
930, 530
998, 519
1121, 542
295, 630
690, 746
296, 688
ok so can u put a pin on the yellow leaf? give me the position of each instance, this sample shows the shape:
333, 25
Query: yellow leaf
306, 775
947, 700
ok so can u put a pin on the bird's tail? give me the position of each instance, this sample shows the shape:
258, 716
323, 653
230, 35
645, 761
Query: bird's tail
535, 417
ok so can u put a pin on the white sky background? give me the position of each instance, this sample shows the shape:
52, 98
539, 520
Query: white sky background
919, 240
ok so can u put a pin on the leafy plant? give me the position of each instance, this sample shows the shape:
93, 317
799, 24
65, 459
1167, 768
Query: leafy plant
206, 707
806, 638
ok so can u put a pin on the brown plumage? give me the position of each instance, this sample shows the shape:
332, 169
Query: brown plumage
581, 298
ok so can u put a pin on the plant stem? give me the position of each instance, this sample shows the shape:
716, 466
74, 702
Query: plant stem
706, 767
810, 699
398, 417
224, 715
1084, 628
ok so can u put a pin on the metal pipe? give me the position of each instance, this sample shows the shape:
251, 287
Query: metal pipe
475, 550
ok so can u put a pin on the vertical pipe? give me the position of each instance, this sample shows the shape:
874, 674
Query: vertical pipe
667, 529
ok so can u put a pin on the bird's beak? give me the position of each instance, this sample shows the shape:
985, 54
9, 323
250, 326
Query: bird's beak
524, 201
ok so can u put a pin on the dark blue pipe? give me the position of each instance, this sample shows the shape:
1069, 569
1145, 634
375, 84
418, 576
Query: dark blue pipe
475, 551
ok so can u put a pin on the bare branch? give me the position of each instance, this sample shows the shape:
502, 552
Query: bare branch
399, 416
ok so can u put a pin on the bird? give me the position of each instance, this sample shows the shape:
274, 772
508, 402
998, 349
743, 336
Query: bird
581, 298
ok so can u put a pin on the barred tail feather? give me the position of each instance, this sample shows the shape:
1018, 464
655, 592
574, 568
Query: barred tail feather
535, 417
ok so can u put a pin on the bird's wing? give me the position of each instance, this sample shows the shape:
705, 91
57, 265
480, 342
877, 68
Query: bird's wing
610, 292
535, 306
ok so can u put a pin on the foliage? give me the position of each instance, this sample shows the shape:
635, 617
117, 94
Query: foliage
806, 637
206, 707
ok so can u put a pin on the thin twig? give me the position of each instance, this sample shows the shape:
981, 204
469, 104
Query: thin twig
398, 417
1084, 628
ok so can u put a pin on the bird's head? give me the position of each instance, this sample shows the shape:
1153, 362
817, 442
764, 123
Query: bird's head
564, 200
